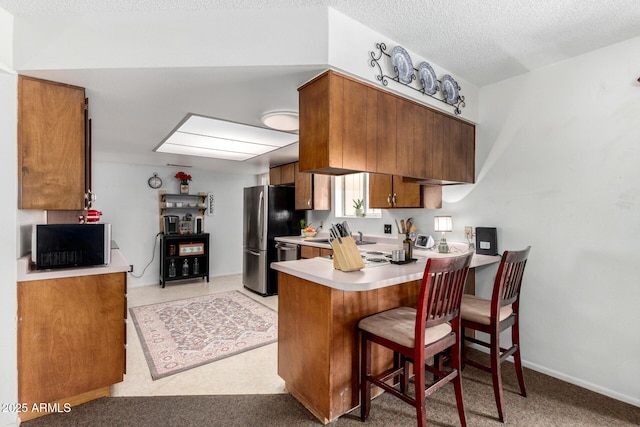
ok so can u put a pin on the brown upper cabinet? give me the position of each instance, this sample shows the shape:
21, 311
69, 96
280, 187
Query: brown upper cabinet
282, 175
458, 142
313, 191
54, 163
349, 126
388, 191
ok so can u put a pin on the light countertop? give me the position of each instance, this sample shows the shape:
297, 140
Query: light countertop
25, 273
320, 270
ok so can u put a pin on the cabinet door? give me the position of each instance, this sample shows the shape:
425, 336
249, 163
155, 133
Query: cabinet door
380, 191
275, 175
407, 194
51, 145
354, 144
411, 139
461, 152
304, 194
71, 336
389, 191
307, 252
287, 174
386, 134
321, 123
453, 150
313, 191
372, 130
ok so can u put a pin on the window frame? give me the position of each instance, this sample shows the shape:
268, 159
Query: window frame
340, 199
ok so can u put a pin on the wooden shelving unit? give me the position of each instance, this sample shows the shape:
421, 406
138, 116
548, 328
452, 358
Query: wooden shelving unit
181, 204
178, 251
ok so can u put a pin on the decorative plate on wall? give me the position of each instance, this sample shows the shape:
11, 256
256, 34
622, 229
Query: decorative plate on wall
401, 62
428, 78
450, 89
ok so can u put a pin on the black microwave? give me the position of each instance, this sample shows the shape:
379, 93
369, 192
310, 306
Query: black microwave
70, 245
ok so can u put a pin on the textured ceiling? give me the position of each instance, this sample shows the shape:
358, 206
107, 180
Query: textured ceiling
483, 41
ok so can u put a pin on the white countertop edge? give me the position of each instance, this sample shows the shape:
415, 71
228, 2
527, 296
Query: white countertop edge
321, 271
118, 264
387, 244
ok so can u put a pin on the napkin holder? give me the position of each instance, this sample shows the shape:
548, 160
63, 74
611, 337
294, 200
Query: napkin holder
346, 256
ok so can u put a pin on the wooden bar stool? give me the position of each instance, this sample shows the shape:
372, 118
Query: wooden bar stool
417, 334
496, 315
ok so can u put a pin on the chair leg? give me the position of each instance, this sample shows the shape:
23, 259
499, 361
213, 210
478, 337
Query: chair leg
463, 346
404, 377
496, 374
420, 395
515, 340
365, 370
456, 364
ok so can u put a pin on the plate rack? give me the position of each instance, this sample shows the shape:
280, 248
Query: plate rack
376, 58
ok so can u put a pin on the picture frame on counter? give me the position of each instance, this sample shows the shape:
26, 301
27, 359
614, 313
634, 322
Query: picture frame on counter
185, 249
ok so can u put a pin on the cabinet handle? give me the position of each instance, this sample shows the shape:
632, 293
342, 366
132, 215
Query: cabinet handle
389, 199
393, 199
309, 203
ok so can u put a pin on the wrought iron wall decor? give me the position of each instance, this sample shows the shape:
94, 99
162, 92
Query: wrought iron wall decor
445, 90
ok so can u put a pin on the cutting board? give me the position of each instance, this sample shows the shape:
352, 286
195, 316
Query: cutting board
346, 256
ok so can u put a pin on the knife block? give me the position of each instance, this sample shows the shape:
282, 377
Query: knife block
346, 256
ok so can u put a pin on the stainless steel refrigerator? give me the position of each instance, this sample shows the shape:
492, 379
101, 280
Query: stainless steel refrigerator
269, 212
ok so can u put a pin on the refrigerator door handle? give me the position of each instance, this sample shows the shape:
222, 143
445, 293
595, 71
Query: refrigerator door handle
253, 253
260, 216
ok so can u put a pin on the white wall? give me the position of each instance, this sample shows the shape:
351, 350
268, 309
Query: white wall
8, 156
557, 161
350, 44
6, 41
131, 206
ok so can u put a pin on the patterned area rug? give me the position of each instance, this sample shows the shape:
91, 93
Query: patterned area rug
180, 335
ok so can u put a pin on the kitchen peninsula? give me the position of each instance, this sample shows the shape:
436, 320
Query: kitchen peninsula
318, 308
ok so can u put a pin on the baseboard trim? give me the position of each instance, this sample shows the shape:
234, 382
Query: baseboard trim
571, 380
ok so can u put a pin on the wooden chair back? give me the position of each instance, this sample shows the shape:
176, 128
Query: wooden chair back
508, 282
440, 292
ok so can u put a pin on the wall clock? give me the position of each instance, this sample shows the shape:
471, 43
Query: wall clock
155, 181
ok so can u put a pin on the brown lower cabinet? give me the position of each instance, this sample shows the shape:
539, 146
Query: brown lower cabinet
71, 341
313, 252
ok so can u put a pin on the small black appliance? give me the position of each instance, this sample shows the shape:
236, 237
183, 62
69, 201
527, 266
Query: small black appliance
171, 224
486, 241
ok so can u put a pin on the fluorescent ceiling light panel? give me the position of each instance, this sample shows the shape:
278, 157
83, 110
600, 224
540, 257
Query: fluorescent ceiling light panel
207, 137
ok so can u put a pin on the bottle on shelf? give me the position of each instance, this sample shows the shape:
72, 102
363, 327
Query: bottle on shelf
196, 266
408, 247
185, 268
172, 268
